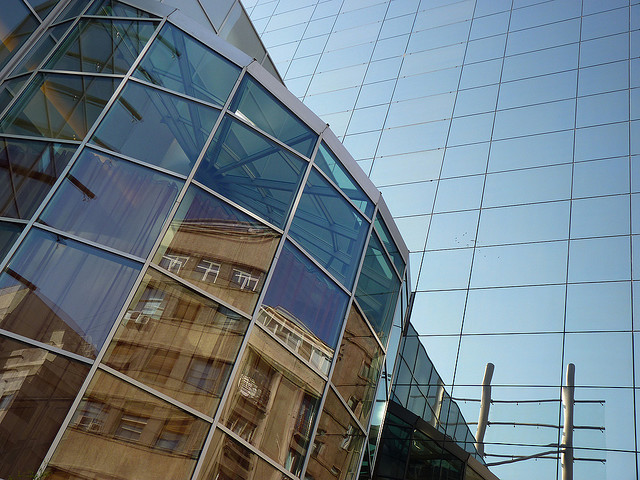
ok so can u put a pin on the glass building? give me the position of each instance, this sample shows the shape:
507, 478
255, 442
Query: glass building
504, 136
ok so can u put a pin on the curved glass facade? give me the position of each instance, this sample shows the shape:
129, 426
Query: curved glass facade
196, 280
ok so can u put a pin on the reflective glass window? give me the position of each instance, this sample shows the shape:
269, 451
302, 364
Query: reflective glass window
40, 50
326, 161
598, 306
602, 141
42, 7
603, 108
73, 9
112, 202
328, 227
59, 106
598, 259
102, 46
545, 36
534, 119
601, 177
178, 127
177, 61
337, 444
38, 388
302, 302
115, 419
558, 86
531, 151
603, 78
55, 295
251, 171
378, 288
239, 31
452, 230
445, 269
603, 50
8, 234
254, 103
218, 248
178, 342
274, 396
9, 89
16, 25
389, 243
28, 170
593, 217
541, 62
113, 8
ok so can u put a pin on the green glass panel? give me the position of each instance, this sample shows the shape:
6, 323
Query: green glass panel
252, 171
113, 8
102, 46
261, 109
331, 166
329, 228
9, 232
37, 53
178, 62
178, 127
390, 245
59, 106
17, 23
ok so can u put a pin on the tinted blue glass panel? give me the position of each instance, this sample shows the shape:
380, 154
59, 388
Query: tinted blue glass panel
179, 62
304, 295
265, 112
390, 245
112, 202
115, 9
40, 50
54, 294
252, 171
330, 229
178, 127
10, 89
8, 234
378, 288
16, 24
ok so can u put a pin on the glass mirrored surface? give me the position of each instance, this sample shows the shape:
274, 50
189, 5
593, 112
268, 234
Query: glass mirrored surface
101, 46
218, 248
16, 26
238, 31
9, 232
42, 7
59, 106
327, 226
52, 294
113, 8
28, 170
385, 235
273, 396
254, 104
38, 388
10, 89
179, 127
112, 202
252, 171
181, 63
178, 342
115, 419
41, 49
377, 290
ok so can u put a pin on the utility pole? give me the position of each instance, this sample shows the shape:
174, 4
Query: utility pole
485, 403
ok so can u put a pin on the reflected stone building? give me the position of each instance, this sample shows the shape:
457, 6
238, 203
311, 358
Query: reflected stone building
196, 279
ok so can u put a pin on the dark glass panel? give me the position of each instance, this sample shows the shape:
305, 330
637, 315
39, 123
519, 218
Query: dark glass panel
38, 388
59, 106
254, 103
43, 7
178, 127
429, 460
228, 459
219, 249
28, 170
358, 366
393, 450
337, 444
181, 63
251, 171
390, 245
9, 89
303, 298
327, 226
274, 401
17, 23
112, 202
178, 342
121, 430
113, 8
63, 293
8, 234
378, 289
72, 10
102, 46
331, 166
40, 50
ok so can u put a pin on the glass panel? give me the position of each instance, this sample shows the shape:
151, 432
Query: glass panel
112, 202
177, 342
178, 127
229, 459
113, 8
337, 444
253, 103
74, 9
378, 289
358, 366
102, 46
10, 89
43, 7
251, 171
389, 243
219, 249
304, 308
330, 229
274, 396
179, 62
59, 106
120, 428
54, 294
331, 166
28, 170
40, 50
239, 32
8, 234
16, 24
38, 388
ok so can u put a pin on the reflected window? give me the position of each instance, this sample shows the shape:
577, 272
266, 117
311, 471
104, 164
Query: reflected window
130, 427
209, 271
244, 280
173, 263
90, 416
